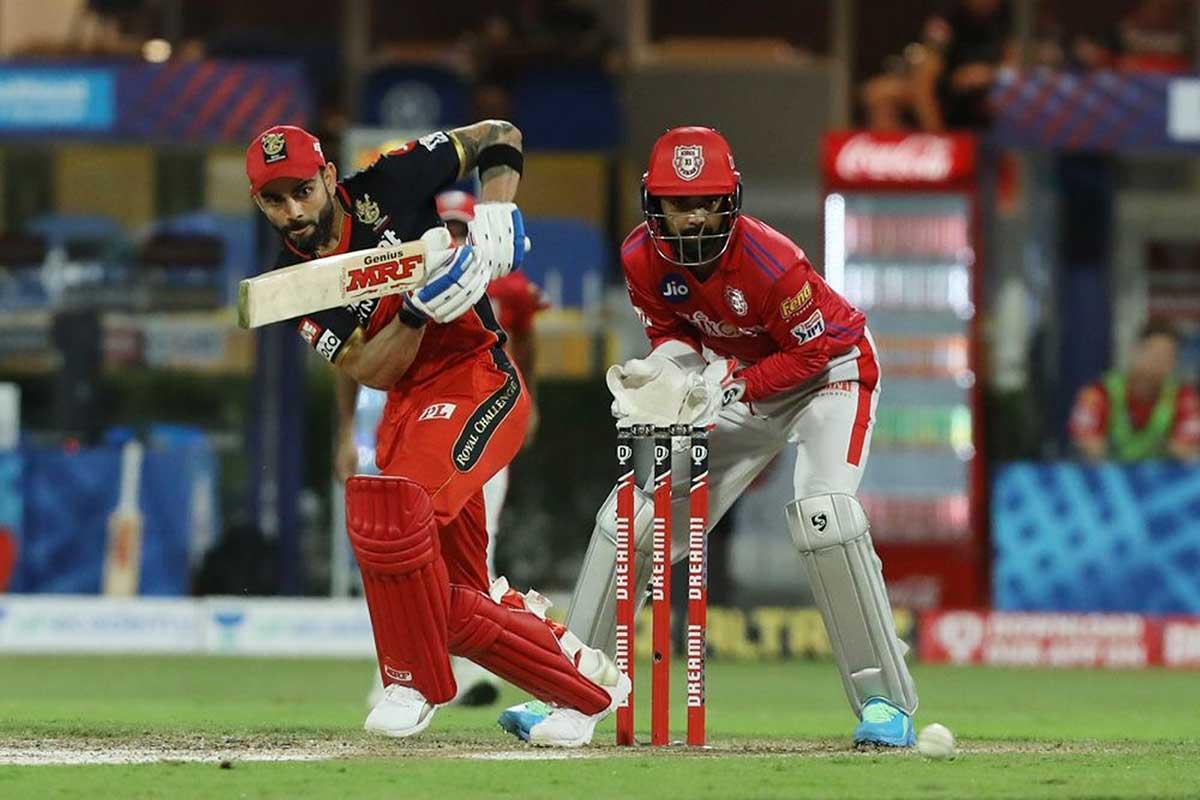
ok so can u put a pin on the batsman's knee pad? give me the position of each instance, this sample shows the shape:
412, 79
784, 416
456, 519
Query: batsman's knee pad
392, 532
508, 634
834, 540
592, 613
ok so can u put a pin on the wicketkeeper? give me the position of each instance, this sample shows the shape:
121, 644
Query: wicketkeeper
747, 337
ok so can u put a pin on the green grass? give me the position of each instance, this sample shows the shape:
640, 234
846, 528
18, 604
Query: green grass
778, 730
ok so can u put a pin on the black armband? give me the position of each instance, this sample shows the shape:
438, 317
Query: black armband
500, 155
410, 316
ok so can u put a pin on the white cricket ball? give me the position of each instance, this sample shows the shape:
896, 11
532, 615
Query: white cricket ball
936, 741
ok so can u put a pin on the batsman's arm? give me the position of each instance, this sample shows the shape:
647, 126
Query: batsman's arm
494, 146
383, 359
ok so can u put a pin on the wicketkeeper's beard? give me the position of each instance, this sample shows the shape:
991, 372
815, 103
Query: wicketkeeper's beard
320, 233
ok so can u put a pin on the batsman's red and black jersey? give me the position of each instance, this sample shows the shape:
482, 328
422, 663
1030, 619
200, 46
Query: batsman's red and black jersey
389, 202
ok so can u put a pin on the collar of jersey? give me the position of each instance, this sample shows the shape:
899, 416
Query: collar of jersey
343, 197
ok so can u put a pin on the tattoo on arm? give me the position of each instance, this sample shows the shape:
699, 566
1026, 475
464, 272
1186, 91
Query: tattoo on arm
475, 138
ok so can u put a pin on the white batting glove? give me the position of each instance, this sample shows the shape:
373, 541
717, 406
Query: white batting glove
498, 235
455, 281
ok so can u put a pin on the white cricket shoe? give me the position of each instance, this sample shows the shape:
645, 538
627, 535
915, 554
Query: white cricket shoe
566, 727
402, 711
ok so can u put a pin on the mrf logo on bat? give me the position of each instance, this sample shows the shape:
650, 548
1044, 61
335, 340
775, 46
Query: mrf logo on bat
380, 270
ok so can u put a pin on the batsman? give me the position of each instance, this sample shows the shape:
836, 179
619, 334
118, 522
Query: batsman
748, 339
456, 414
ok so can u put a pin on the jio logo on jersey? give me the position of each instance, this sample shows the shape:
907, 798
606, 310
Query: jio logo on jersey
674, 288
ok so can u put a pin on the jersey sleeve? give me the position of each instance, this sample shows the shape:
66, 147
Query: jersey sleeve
1089, 414
329, 332
660, 323
794, 320
423, 167
1185, 433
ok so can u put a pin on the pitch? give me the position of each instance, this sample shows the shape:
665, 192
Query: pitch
213, 727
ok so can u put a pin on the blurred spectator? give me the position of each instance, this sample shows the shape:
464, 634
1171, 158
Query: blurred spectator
1142, 413
1151, 37
943, 81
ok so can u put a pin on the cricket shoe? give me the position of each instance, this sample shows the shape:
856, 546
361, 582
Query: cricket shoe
402, 711
555, 726
884, 723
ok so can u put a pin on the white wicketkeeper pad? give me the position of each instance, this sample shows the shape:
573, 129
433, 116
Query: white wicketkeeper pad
833, 536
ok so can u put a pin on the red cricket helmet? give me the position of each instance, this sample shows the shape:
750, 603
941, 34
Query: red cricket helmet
691, 162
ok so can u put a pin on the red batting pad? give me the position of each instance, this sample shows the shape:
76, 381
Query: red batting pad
390, 524
520, 647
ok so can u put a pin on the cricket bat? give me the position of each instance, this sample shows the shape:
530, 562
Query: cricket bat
123, 554
330, 282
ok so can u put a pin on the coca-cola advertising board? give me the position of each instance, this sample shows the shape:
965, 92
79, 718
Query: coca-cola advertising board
902, 244
865, 160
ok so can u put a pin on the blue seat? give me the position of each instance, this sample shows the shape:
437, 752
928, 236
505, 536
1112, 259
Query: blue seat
595, 118
569, 259
240, 257
414, 98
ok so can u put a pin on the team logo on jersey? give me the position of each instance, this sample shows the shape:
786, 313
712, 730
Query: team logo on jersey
736, 301
810, 329
274, 146
309, 331
796, 303
688, 161
674, 288
367, 210
438, 411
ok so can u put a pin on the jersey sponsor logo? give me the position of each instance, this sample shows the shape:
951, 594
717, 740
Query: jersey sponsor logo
367, 210
810, 329
719, 328
370, 276
438, 411
309, 331
736, 301
274, 147
688, 161
363, 309
674, 288
432, 140
483, 422
328, 344
796, 303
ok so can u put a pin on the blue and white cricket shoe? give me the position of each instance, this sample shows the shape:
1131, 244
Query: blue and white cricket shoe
520, 719
556, 726
884, 723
